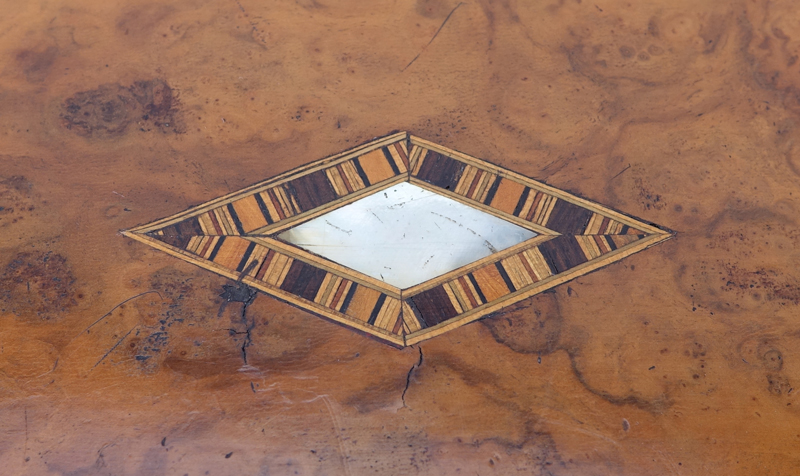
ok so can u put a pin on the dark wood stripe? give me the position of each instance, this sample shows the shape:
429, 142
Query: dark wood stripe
536, 199
348, 298
361, 172
603, 226
522, 199
303, 280
292, 275
246, 257
276, 203
402, 153
528, 268
562, 253
434, 306
611, 243
338, 294
217, 227
492, 191
236, 222
468, 292
343, 176
263, 207
475, 181
179, 234
568, 218
216, 249
312, 190
398, 324
624, 230
207, 243
504, 275
376, 310
265, 265
417, 314
477, 288
601, 244
390, 159
440, 170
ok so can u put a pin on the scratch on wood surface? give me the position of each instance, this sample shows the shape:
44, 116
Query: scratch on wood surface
620, 172
118, 305
115, 346
434, 35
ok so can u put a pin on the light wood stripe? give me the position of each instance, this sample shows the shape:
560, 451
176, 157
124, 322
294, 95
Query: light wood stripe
593, 227
466, 180
602, 243
337, 304
487, 180
259, 253
588, 246
461, 295
324, 289
419, 158
205, 224
453, 299
516, 272
210, 246
272, 276
544, 208
537, 263
330, 294
273, 212
526, 207
388, 314
507, 196
249, 213
336, 181
376, 166
352, 176
404, 145
285, 201
222, 223
229, 223
410, 323
194, 242
398, 161
470, 288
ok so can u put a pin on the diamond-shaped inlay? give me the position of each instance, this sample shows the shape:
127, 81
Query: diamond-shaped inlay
400, 238
406, 235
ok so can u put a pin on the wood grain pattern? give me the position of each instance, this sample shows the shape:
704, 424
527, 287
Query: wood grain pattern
681, 360
475, 289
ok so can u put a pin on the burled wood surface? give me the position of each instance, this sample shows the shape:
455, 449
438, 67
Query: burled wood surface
683, 359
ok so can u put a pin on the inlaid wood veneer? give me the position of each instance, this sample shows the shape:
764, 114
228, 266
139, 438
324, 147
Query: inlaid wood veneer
237, 236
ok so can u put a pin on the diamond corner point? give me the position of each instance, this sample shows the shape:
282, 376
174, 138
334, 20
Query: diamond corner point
494, 237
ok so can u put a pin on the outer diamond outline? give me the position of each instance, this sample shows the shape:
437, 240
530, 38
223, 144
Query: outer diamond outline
235, 236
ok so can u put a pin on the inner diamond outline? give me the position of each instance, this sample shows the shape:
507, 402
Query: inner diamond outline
405, 235
236, 236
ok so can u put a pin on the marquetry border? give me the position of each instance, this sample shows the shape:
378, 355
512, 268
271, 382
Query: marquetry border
236, 236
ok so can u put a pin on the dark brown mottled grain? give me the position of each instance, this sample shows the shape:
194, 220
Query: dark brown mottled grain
681, 360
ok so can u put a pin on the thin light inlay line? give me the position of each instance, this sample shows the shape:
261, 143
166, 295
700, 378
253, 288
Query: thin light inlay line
406, 235
336, 238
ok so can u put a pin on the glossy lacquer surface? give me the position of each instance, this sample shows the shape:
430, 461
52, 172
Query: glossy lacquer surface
117, 358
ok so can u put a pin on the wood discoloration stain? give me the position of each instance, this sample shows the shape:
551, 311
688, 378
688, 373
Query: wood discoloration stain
684, 359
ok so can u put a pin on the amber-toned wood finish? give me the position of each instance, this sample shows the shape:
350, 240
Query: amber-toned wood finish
236, 236
117, 359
